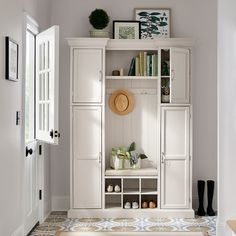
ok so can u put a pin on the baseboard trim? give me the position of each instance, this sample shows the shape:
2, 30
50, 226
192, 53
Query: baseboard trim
46, 216
47, 209
19, 231
60, 203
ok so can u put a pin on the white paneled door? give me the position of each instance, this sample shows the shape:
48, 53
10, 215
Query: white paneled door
179, 63
40, 113
47, 85
31, 186
87, 75
87, 136
175, 151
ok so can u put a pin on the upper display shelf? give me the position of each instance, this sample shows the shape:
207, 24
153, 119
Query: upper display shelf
130, 44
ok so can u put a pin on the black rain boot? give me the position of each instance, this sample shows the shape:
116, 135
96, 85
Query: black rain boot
201, 188
210, 192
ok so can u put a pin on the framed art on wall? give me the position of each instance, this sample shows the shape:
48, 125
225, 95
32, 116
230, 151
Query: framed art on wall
126, 29
12, 51
155, 23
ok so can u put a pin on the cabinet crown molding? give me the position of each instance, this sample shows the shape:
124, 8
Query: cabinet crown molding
87, 42
128, 44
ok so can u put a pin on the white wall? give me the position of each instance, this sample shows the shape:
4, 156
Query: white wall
190, 18
11, 158
226, 113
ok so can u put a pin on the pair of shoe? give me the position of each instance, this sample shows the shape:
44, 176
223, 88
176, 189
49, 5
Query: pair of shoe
210, 192
150, 204
111, 189
128, 205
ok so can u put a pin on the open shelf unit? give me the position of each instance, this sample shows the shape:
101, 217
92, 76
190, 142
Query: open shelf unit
133, 189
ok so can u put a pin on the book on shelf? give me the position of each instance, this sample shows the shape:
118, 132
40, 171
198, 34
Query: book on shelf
144, 64
132, 67
149, 65
137, 66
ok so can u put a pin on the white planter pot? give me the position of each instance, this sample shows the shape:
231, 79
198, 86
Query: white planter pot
135, 166
165, 98
99, 34
121, 164
116, 163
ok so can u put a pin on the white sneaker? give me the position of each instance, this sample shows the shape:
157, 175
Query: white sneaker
134, 205
117, 188
127, 205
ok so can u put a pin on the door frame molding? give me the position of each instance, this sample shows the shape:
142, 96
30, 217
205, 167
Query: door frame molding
32, 25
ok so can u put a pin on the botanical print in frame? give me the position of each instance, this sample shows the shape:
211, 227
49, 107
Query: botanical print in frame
155, 23
11, 59
126, 29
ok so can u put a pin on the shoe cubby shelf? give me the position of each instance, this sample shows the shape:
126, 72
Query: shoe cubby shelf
133, 191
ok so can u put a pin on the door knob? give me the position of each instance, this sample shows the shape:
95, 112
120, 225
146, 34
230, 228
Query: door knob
28, 151
55, 134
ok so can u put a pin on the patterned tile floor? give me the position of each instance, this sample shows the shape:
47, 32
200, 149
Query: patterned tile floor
59, 221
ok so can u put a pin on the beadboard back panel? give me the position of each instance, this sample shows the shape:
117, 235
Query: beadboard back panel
140, 126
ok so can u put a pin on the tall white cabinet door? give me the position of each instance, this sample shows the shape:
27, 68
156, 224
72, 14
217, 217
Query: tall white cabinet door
87, 132
87, 75
179, 63
86, 136
175, 169
87, 183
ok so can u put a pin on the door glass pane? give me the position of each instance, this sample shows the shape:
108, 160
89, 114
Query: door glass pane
29, 87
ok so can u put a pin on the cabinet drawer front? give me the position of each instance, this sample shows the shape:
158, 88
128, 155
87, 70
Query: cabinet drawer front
87, 75
87, 132
87, 184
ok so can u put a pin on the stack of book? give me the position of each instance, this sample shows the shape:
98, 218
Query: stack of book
144, 64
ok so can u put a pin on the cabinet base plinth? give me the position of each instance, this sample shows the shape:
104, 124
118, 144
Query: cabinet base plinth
130, 213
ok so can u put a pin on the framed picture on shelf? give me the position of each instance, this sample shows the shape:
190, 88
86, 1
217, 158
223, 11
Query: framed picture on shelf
126, 29
155, 22
12, 51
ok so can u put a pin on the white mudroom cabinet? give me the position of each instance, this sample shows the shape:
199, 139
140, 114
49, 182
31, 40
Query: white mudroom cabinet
157, 73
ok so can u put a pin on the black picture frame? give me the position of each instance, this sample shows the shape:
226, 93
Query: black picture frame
117, 24
12, 57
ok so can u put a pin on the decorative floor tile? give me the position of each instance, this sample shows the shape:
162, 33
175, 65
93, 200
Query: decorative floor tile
58, 221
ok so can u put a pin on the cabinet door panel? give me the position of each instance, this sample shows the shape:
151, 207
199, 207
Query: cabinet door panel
87, 184
87, 126
175, 175
179, 62
87, 75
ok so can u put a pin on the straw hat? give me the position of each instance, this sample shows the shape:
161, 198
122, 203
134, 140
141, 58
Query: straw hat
121, 102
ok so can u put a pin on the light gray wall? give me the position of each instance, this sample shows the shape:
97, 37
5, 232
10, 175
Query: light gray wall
189, 18
11, 155
226, 113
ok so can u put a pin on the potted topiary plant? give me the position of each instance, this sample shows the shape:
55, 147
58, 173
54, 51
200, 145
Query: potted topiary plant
99, 20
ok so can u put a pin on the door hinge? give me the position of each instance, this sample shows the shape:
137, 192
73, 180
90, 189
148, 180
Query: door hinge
40, 149
40, 194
